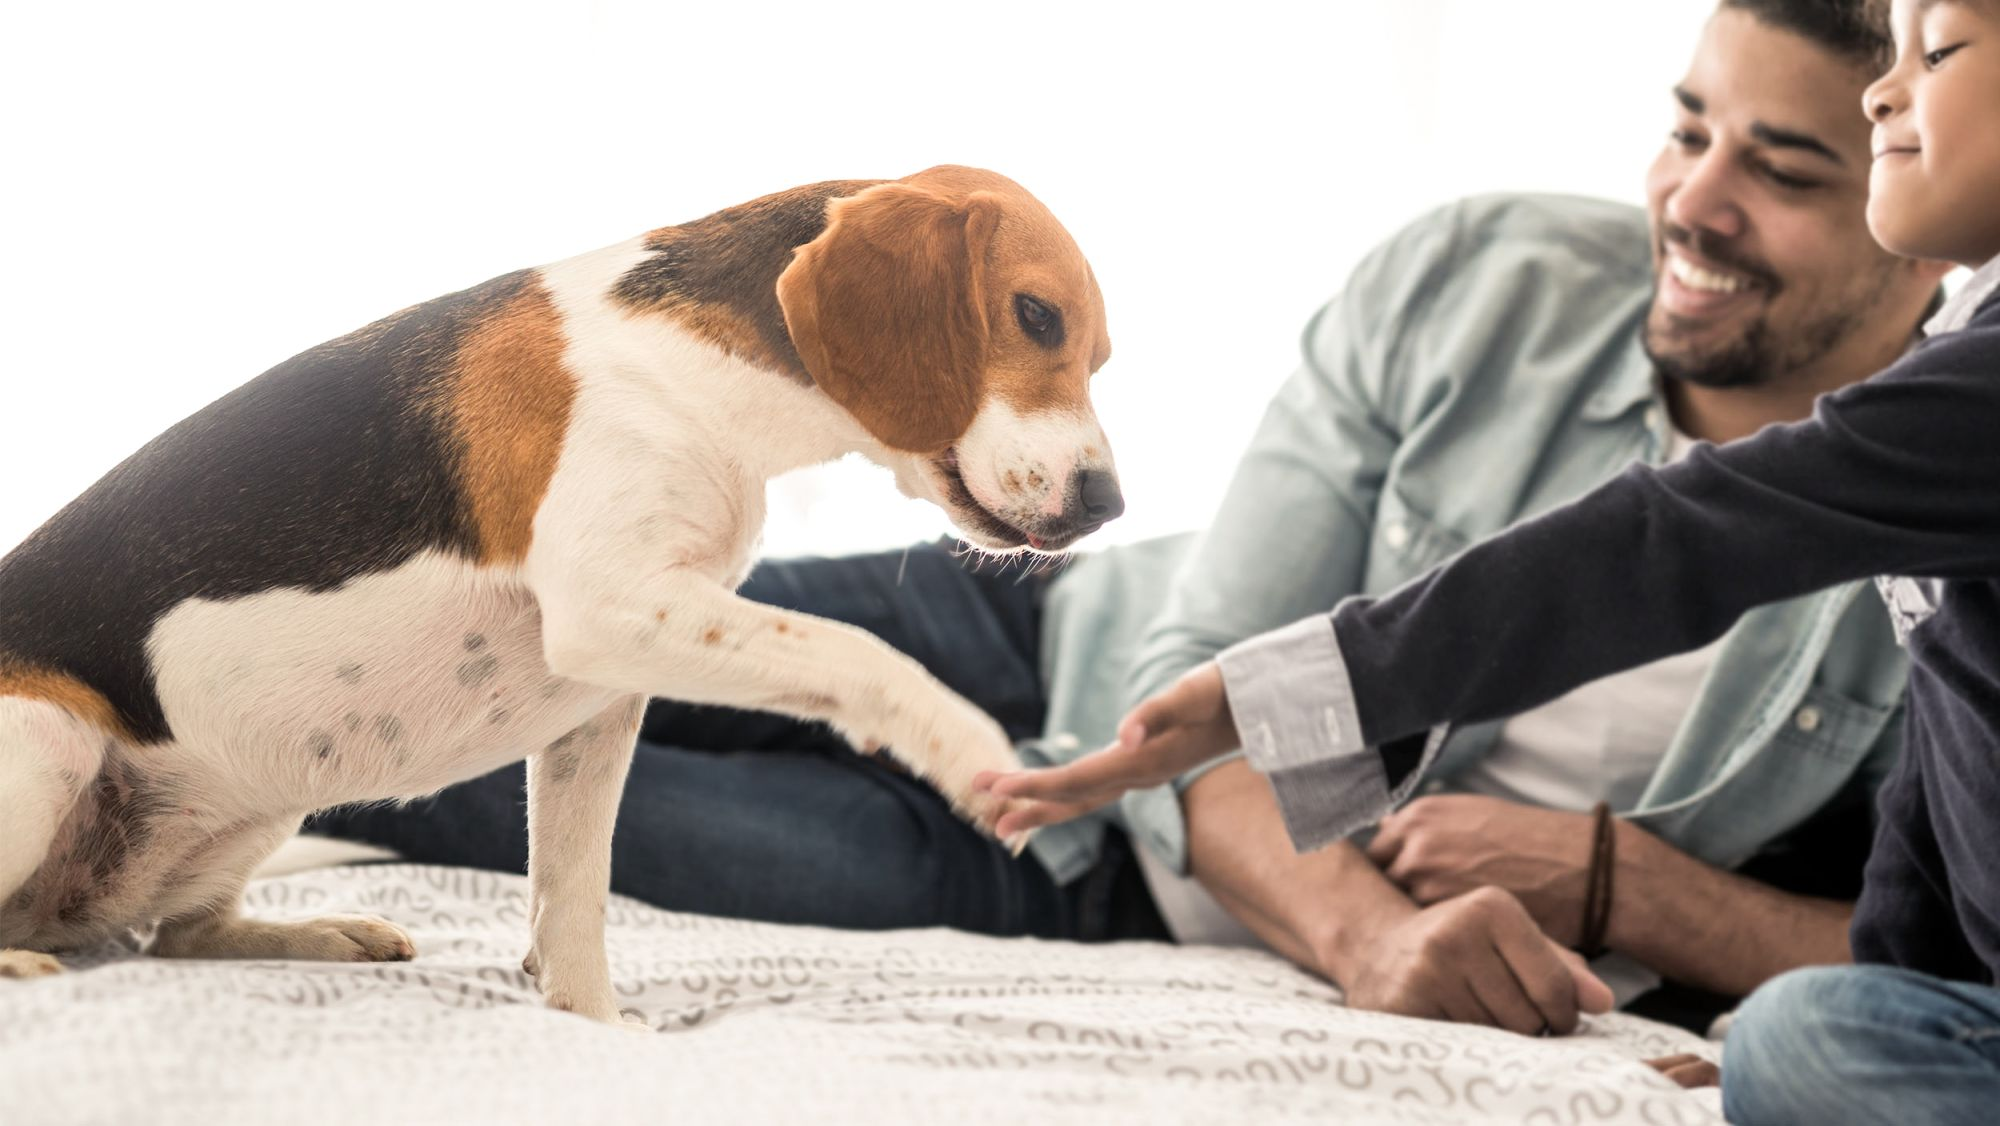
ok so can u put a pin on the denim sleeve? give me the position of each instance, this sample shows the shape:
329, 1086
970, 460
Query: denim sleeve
1894, 475
1291, 536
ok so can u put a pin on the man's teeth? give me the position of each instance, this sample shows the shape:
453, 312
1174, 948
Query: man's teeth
1706, 281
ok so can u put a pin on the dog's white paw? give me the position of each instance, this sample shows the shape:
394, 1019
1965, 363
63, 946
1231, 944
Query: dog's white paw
353, 938
21, 965
330, 938
600, 1008
950, 742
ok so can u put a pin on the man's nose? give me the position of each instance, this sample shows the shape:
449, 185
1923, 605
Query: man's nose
1705, 200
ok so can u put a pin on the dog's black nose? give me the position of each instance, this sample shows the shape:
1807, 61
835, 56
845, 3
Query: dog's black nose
1099, 492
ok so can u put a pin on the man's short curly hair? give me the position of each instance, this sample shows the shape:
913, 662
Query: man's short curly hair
1857, 30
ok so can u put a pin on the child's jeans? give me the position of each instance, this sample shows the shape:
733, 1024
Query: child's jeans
1864, 1044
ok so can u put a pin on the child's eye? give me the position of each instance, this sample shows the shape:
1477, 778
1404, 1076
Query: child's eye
1685, 138
1934, 58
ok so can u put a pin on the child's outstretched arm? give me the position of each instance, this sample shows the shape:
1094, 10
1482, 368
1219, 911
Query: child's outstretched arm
1893, 476
1162, 738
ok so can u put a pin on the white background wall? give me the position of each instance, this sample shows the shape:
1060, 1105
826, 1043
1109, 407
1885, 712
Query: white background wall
197, 190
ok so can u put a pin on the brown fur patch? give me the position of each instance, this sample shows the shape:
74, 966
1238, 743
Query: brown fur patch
888, 311
66, 692
509, 399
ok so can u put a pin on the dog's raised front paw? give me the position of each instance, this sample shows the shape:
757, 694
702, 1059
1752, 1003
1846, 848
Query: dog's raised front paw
950, 742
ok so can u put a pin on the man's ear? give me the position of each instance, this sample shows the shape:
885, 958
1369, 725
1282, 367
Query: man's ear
887, 309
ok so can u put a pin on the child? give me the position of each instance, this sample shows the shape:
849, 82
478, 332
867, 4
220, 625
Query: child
1899, 475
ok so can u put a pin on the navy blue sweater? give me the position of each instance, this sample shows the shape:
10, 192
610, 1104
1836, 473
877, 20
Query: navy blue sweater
1898, 475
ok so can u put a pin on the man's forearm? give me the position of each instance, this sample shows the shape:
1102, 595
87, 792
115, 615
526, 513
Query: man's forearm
1713, 929
1314, 908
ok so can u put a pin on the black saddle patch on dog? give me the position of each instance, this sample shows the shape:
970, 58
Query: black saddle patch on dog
337, 463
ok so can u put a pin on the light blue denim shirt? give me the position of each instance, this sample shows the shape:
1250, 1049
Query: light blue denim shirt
1481, 367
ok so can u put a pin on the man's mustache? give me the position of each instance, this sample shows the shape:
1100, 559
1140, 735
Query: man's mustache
1721, 253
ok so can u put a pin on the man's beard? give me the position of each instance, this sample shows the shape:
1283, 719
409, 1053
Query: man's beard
1757, 356
1760, 354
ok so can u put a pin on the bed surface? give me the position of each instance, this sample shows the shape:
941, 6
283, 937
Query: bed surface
757, 1022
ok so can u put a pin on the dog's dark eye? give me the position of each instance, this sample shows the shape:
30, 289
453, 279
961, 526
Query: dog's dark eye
1042, 324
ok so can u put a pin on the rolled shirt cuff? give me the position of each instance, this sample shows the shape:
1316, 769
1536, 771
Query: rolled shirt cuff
1289, 693
1295, 713
1330, 801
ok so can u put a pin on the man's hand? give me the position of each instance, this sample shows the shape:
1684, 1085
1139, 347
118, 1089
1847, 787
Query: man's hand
1439, 848
1477, 959
1165, 736
1333, 913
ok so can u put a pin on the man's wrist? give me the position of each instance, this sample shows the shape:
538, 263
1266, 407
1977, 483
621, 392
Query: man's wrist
1348, 938
1322, 910
1632, 902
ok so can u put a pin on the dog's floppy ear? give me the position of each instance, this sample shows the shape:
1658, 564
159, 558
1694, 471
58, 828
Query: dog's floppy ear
887, 309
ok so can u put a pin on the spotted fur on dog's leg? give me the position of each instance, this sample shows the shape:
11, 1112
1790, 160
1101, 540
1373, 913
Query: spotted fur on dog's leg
573, 788
23, 964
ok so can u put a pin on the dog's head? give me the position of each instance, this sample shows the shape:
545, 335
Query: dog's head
955, 319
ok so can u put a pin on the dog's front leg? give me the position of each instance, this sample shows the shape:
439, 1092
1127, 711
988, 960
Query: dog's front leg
573, 790
682, 635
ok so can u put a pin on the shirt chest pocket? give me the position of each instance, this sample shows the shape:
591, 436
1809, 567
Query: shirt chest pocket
1831, 725
1405, 543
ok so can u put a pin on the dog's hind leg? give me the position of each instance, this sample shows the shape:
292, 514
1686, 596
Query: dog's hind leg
219, 930
573, 789
47, 756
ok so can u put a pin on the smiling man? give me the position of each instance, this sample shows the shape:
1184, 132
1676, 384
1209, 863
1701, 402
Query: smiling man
1496, 359
1491, 362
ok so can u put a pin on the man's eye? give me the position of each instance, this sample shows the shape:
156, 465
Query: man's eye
1041, 323
1794, 183
1686, 138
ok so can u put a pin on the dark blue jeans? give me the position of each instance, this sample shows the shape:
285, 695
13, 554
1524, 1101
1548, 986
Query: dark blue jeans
758, 816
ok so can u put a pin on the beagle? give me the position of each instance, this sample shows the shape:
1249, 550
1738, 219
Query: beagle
488, 527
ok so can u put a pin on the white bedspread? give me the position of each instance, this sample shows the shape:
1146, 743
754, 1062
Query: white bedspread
761, 1023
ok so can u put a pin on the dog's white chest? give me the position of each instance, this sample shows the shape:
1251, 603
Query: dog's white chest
396, 684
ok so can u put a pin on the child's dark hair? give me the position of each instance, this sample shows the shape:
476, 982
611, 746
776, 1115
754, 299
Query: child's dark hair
1857, 30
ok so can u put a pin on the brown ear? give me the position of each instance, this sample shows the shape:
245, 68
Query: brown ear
887, 309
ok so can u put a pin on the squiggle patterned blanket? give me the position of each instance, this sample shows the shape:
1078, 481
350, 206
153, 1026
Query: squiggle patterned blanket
762, 1023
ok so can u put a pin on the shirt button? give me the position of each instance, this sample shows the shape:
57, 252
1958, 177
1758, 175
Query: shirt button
1807, 719
1653, 419
1396, 535
1065, 742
